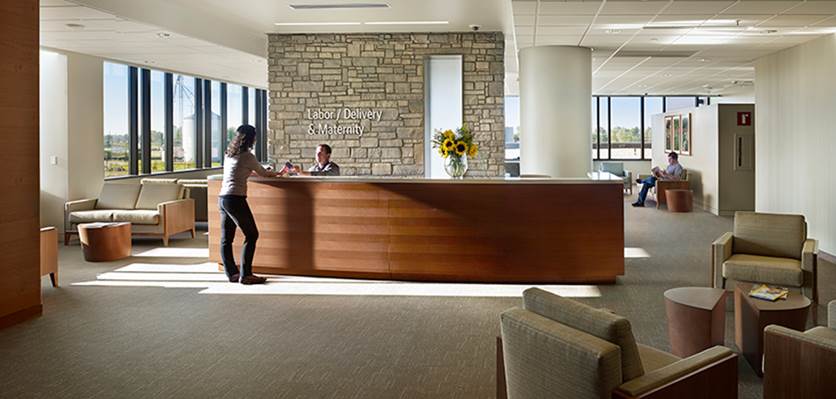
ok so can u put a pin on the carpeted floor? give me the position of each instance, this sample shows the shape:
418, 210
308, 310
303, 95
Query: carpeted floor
161, 342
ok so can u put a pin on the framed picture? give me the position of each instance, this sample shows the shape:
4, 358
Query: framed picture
677, 133
668, 133
685, 148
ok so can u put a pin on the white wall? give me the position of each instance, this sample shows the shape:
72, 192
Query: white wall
796, 138
53, 137
71, 131
702, 165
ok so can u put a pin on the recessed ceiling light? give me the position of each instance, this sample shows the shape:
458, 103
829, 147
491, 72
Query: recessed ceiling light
407, 23
337, 6
74, 26
613, 31
163, 35
315, 23
667, 75
703, 60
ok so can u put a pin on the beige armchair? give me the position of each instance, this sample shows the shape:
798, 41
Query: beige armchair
559, 348
767, 248
800, 364
661, 186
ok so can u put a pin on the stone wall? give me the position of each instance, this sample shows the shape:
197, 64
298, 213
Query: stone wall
379, 72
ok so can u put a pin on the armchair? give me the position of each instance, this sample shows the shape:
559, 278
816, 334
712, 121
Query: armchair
617, 168
767, 248
800, 364
556, 347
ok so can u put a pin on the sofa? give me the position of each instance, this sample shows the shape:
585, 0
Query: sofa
800, 364
155, 207
767, 248
556, 347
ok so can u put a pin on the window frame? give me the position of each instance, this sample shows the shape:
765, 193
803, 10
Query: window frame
139, 121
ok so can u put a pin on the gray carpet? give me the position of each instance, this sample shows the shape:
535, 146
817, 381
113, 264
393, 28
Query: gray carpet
103, 342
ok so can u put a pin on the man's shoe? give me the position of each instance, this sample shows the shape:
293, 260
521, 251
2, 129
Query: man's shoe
639, 181
250, 280
234, 278
638, 204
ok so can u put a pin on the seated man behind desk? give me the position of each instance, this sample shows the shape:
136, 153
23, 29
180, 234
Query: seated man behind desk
672, 172
323, 165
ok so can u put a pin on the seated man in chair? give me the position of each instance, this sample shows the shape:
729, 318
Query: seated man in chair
672, 172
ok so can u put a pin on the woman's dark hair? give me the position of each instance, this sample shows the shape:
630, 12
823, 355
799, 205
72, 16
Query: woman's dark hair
242, 142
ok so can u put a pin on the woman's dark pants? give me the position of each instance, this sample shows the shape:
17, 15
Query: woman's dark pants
235, 212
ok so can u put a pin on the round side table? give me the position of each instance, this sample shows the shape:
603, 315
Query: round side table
696, 319
104, 242
680, 200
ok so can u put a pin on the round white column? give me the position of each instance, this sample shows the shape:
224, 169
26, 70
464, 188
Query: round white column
555, 111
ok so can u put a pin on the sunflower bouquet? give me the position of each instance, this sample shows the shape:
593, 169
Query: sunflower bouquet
455, 147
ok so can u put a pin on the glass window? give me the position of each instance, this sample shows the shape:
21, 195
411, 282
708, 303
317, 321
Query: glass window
157, 121
652, 106
512, 128
185, 133
594, 127
217, 151
604, 128
116, 121
234, 117
675, 103
626, 128
251, 106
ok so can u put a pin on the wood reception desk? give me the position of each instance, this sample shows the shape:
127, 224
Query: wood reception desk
478, 230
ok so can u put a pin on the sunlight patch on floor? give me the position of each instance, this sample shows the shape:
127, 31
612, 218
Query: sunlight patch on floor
168, 252
632, 252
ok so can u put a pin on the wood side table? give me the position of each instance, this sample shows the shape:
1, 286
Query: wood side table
104, 242
696, 319
752, 315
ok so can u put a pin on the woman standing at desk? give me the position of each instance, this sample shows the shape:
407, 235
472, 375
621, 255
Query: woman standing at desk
239, 164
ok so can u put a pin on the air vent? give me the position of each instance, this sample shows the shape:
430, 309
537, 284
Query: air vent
337, 6
656, 54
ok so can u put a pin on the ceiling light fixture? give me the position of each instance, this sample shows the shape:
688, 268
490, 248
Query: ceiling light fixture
337, 6
407, 23
74, 26
315, 23
613, 31
163, 35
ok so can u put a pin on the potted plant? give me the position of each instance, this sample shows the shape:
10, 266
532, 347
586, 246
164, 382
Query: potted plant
455, 148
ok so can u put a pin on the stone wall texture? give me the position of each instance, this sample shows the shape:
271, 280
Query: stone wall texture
382, 71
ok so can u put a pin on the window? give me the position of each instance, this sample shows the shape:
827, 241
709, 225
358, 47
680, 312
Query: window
604, 128
185, 123
512, 128
652, 106
675, 103
116, 127
594, 127
625, 128
217, 127
158, 122
235, 117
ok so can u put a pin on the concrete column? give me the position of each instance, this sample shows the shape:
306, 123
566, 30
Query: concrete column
555, 111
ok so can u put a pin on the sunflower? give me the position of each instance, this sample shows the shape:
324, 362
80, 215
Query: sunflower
473, 150
443, 151
448, 134
448, 144
461, 148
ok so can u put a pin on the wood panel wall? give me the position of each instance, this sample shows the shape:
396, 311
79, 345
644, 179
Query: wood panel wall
434, 231
20, 287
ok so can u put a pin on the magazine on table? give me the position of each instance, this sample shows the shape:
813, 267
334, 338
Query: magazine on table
768, 293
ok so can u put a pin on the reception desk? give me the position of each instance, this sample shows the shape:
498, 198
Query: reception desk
477, 230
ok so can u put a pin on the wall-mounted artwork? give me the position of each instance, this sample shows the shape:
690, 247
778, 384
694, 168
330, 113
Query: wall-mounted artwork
685, 147
677, 132
668, 133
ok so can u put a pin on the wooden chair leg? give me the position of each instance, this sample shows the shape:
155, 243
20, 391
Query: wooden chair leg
165, 240
723, 285
501, 387
54, 278
66, 238
193, 232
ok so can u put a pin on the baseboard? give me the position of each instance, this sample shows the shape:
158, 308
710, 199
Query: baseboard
829, 258
21, 316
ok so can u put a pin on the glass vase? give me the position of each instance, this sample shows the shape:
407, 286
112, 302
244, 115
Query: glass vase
455, 166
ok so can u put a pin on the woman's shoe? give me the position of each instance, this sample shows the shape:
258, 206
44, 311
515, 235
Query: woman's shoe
251, 279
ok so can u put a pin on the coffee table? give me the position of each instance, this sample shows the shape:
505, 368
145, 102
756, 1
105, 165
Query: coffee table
696, 319
103, 242
752, 315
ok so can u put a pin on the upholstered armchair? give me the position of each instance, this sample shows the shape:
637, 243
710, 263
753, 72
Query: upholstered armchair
658, 191
800, 364
767, 248
555, 347
617, 168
